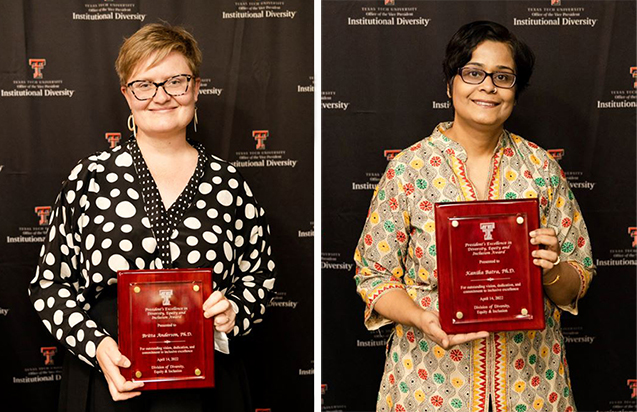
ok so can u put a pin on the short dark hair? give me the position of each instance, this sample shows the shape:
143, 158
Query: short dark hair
468, 37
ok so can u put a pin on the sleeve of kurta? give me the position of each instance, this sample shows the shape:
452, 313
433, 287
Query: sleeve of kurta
55, 291
565, 217
254, 271
380, 253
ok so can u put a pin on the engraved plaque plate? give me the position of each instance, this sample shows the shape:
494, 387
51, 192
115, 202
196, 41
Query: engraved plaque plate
162, 329
486, 276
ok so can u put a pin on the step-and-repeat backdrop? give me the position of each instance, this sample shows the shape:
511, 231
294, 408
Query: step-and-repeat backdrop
383, 90
60, 101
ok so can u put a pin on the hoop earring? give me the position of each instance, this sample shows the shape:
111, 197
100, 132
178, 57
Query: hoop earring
131, 125
196, 120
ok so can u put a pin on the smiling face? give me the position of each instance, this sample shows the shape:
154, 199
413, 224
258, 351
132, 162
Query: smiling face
484, 107
163, 115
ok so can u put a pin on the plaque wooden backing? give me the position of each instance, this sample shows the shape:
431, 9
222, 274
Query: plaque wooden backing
486, 277
162, 329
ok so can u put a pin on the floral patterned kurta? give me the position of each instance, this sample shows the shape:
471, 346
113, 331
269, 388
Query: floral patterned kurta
519, 371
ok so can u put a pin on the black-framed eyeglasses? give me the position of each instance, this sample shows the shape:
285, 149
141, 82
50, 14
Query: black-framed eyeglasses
473, 75
175, 86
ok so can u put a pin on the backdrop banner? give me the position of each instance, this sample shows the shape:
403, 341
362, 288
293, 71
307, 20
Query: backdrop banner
60, 101
383, 90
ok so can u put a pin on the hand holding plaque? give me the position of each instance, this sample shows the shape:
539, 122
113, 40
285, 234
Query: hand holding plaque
486, 276
162, 329
218, 307
111, 361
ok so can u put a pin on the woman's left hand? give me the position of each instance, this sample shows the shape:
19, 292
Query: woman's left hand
220, 310
548, 257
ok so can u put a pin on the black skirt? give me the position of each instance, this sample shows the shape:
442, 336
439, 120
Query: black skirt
84, 388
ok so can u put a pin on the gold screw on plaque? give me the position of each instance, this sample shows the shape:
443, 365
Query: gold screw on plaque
138, 374
455, 223
459, 315
197, 372
524, 312
520, 220
137, 289
195, 288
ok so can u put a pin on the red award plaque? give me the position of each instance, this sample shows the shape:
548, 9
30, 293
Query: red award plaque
162, 329
486, 276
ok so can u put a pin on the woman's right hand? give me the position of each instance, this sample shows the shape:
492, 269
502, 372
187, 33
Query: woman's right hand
111, 359
396, 305
429, 324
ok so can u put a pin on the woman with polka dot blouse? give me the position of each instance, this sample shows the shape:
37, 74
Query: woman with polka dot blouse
157, 201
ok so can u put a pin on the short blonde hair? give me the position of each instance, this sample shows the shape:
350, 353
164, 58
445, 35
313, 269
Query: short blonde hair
161, 40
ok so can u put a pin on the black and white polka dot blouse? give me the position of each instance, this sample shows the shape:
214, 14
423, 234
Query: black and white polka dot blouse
109, 217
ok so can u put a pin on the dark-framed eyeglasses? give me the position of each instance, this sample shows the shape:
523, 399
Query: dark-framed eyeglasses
472, 75
175, 86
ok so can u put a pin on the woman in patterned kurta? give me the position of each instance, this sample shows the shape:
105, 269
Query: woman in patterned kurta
118, 210
426, 369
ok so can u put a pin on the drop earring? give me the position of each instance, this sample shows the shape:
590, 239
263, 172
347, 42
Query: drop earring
131, 125
196, 120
